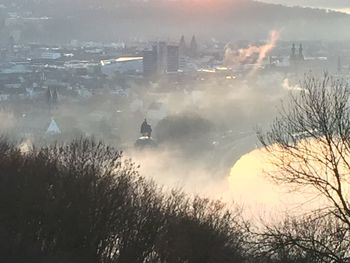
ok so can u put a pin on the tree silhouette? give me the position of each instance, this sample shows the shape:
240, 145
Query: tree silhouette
309, 145
83, 202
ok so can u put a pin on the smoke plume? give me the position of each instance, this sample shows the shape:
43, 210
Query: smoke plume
252, 54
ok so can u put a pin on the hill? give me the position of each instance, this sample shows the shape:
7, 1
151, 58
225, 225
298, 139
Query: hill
224, 19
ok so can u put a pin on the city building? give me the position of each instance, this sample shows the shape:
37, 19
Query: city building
162, 56
122, 65
150, 62
172, 58
161, 59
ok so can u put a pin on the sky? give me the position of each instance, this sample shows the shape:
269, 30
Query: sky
339, 5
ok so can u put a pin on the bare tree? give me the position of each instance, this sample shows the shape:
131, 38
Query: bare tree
309, 143
312, 238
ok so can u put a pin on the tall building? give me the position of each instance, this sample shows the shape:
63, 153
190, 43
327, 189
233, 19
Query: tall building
172, 58
162, 55
150, 61
163, 58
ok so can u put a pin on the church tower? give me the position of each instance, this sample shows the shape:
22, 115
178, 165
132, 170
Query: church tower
296, 59
193, 47
182, 47
301, 55
293, 53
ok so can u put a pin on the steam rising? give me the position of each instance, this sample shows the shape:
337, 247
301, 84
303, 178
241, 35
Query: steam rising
287, 86
198, 162
251, 185
257, 53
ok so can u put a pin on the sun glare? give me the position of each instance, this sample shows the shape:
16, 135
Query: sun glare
250, 181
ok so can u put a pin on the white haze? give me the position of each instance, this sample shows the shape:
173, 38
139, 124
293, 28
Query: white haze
232, 108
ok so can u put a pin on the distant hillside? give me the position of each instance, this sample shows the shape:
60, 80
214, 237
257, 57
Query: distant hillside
313, 3
224, 19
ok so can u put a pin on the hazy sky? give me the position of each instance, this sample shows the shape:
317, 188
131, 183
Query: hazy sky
342, 5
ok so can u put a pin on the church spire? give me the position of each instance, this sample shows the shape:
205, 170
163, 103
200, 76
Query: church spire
182, 46
293, 52
301, 55
193, 47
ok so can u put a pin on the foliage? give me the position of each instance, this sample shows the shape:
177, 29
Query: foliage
83, 202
